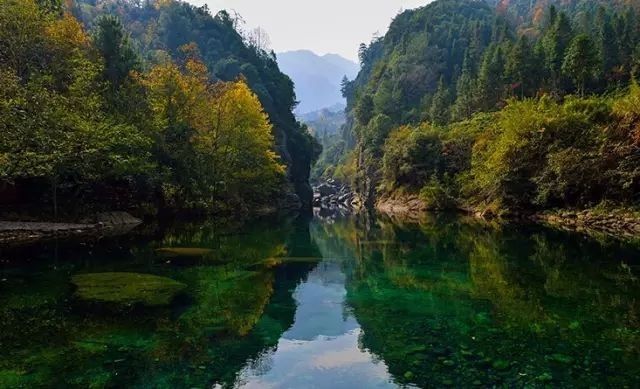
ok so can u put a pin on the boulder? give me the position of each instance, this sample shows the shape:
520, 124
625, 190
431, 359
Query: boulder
184, 251
326, 190
126, 288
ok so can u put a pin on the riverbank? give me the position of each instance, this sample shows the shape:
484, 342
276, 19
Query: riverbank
618, 223
16, 233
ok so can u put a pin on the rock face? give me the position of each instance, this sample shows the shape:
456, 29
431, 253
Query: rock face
331, 194
126, 288
409, 205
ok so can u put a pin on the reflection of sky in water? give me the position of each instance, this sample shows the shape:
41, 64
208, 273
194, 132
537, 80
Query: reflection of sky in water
321, 349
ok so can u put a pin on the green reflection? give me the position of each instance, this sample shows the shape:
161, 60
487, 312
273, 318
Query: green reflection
455, 302
446, 301
230, 312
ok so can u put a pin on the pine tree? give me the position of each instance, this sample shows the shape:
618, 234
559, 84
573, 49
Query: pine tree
607, 43
113, 44
464, 104
581, 62
520, 67
627, 37
491, 78
555, 43
346, 88
440, 104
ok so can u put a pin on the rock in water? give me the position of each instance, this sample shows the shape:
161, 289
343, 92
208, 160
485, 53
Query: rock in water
126, 288
184, 251
326, 190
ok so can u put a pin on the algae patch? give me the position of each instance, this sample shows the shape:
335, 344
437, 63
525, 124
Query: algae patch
126, 288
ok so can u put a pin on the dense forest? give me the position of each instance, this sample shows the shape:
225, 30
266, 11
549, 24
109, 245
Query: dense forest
498, 106
115, 103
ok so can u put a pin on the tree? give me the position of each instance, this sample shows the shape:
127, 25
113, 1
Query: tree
115, 48
581, 62
555, 43
238, 142
259, 39
491, 78
53, 6
215, 139
439, 111
607, 43
520, 67
52, 120
464, 105
346, 88
364, 109
178, 102
362, 53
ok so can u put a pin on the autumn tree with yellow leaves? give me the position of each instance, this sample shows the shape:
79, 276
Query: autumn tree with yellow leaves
215, 137
77, 113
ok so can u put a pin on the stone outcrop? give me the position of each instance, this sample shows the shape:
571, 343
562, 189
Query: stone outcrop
103, 224
332, 194
615, 223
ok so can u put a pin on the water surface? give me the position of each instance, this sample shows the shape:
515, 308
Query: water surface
330, 303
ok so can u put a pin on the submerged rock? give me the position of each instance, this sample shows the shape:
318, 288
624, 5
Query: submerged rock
184, 251
126, 288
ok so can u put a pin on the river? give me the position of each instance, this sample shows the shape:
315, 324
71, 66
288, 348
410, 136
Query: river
333, 302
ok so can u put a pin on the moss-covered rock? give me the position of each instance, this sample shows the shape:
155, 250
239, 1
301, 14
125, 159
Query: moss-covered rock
126, 288
184, 251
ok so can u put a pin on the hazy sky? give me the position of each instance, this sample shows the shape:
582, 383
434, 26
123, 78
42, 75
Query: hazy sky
323, 26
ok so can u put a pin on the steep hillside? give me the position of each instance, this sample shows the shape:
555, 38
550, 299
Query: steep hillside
454, 59
402, 70
159, 29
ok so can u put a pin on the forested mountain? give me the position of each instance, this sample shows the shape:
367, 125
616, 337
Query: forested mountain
160, 28
327, 125
326, 121
121, 102
317, 78
441, 66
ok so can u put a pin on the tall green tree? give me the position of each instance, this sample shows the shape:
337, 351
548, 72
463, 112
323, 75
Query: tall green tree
581, 62
464, 105
555, 43
607, 43
521, 67
114, 45
439, 111
491, 78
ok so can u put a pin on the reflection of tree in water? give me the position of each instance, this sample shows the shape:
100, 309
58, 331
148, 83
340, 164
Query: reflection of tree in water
235, 310
445, 302
241, 313
465, 303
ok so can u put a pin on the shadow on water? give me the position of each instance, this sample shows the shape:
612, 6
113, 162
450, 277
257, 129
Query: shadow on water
333, 301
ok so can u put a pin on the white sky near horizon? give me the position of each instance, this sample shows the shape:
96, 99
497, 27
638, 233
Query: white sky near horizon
327, 26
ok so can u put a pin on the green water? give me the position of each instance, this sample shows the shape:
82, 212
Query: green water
346, 303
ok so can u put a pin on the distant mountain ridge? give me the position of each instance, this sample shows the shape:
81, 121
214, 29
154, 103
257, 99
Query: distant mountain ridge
326, 121
317, 78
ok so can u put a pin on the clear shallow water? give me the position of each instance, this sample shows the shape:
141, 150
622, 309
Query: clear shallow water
330, 304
